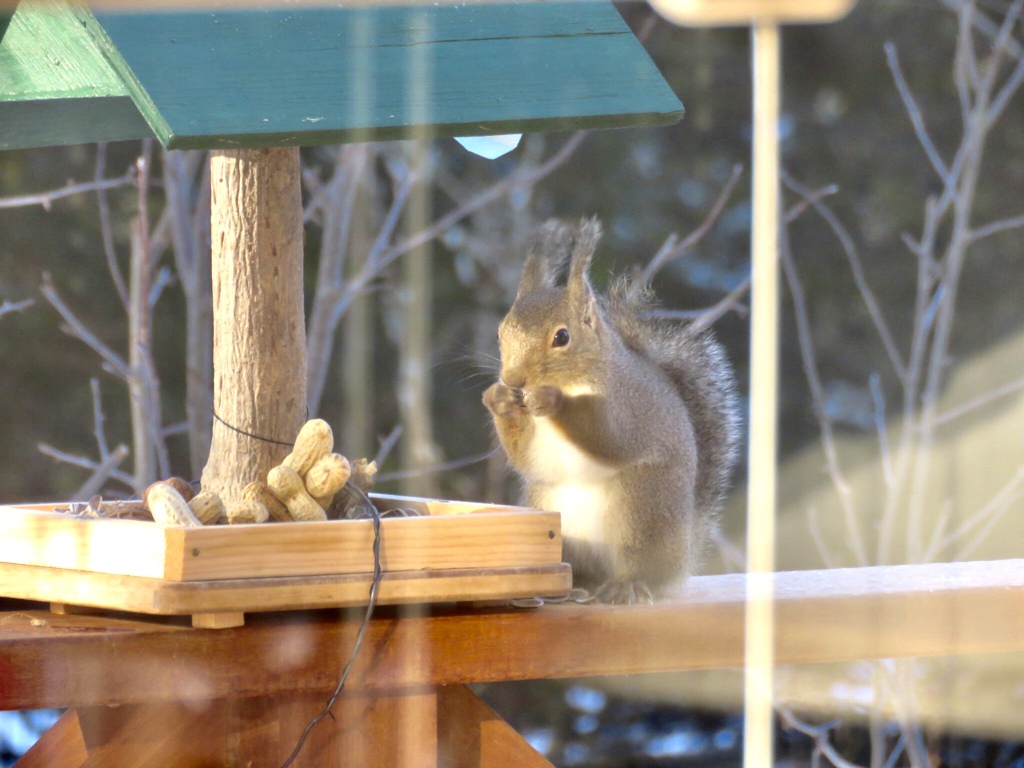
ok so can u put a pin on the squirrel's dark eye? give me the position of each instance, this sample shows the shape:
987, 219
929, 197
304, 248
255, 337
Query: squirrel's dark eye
561, 338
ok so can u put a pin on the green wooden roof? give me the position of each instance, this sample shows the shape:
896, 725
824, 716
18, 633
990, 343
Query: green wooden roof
55, 87
318, 75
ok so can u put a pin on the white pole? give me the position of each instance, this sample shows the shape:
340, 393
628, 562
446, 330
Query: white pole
759, 648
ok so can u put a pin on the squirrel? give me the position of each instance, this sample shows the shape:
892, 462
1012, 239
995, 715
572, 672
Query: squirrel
624, 422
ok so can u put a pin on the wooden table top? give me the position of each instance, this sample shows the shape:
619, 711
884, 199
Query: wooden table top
49, 660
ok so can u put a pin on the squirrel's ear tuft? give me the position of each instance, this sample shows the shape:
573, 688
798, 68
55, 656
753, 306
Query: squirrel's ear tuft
587, 237
550, 248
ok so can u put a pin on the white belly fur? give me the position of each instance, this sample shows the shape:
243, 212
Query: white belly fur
576, 485
584, 510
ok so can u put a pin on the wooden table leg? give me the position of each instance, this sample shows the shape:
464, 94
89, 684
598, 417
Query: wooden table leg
377, 731
398, 729
62, 746
448, 727
472, 735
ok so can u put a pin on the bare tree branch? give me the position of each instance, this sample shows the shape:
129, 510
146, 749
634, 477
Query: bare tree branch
150, 447
980, 401
995, 227
106, 230
164, 277
880, 429
916, 118
987, 517
940, 265
897, 751
733, 557
854, 538
377, 259
1000, 48
935, 545
181, 428
853, 258
985, 26
961, 191
335, 203
485, 197
729, 303
818, 733
98, 419
819, 541
103, 472
965, 72
160, 236
906, 716
76, 328
447, 466
188, 211
671, 250
81, 461
387, 445
16, 306
46, 199
805, 202
336, 296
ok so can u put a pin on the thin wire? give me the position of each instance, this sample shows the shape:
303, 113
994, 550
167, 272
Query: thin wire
233, 428
371, 604
359, 636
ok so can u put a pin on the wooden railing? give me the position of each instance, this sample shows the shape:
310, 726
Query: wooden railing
161, 693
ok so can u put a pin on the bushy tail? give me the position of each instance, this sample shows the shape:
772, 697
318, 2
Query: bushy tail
699, 368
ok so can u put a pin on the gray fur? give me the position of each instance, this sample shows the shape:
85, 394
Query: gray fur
700, 370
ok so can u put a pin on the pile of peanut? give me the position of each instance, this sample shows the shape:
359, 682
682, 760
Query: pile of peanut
301, 488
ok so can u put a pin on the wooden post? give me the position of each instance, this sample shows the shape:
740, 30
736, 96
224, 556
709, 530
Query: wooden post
724, 13
759, 644
259, 336
764, 16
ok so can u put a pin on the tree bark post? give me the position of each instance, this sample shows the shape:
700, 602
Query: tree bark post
259, 336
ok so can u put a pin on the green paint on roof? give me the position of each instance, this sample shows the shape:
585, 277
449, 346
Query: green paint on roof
327, 75
46, 53
319, 75
55, 85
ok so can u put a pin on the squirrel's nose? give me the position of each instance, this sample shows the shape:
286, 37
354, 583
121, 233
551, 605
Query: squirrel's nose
515, 380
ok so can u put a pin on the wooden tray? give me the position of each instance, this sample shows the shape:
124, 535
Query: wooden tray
454, 551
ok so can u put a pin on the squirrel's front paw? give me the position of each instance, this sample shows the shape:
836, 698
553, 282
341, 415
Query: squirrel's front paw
617, 592
543, 401
502, 400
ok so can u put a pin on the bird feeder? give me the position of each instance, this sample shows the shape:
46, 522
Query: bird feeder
252, 86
